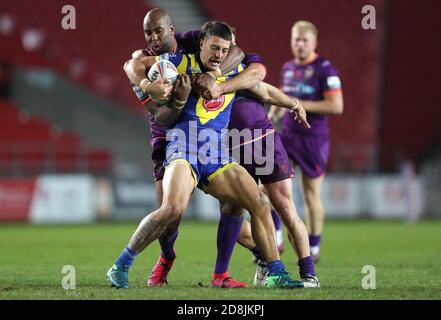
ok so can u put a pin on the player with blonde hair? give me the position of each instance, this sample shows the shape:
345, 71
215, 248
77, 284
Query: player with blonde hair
316, 83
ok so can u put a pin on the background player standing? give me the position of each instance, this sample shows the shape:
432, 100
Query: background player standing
314, 81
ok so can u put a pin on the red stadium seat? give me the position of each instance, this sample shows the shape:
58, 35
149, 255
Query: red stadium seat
61, 46
29, 146
65, 158
66, 152
31, 158
6, 158
98, 161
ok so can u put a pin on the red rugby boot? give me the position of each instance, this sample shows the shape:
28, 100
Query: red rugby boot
224, 280
158, 277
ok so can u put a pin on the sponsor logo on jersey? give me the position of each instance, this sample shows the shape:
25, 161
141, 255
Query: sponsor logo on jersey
298, 74
299, 89
333, 82
289, 74
215, 104
309, 72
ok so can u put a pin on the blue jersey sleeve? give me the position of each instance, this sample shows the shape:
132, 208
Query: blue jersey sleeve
180, 61
232, 73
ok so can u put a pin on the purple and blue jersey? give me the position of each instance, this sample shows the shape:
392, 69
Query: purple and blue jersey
309, 82
309, 148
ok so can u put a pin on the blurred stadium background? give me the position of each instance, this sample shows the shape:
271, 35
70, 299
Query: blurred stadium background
74, 140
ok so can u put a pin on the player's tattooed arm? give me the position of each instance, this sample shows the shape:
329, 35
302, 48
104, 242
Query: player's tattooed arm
181, 91
270, 94
136, 70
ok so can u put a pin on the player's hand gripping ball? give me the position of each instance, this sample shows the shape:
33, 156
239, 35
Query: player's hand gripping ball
162, 69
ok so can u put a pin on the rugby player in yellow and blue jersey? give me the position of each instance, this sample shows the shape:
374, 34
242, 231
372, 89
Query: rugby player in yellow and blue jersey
202, 123
161, 38
196, 157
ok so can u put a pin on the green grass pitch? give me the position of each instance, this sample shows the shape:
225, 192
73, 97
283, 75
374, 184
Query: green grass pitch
407, 261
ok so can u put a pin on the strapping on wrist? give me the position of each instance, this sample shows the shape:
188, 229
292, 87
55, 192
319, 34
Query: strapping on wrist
143, 84
178, 104
180, 101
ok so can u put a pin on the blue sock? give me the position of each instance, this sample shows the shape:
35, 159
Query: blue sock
275, 267
126, 258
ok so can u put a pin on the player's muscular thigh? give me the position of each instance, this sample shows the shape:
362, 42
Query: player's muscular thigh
178, 184
235, 186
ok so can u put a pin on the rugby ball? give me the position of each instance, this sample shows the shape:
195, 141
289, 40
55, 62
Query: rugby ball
163, 69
